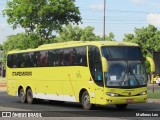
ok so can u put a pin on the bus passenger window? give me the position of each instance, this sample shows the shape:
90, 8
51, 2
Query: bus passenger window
66, 57
70, 57
79, 56
9, 61
43, 57
14, 61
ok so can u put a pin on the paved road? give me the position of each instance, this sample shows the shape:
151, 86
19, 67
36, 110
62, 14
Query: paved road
73, 110
10, 101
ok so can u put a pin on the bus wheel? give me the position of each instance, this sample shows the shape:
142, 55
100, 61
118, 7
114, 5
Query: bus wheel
29, 96
85, 99
22, 95
121, 106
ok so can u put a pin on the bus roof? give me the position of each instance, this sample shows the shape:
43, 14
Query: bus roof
75, 44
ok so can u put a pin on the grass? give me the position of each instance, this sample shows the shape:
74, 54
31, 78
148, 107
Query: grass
153, 95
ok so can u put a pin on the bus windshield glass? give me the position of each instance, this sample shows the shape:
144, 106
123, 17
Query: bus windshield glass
125, 67
121, 52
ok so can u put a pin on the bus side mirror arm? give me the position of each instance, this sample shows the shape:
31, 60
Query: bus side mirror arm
104, 64
150, 60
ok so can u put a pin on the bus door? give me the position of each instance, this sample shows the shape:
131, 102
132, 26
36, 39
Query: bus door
95, 66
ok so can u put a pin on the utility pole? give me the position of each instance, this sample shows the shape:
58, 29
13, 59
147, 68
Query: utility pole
104, 23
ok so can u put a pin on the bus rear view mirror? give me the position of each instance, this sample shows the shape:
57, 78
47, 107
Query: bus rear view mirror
104, 64
150, 60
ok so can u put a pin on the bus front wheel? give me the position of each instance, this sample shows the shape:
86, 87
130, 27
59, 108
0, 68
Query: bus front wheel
22, 96
29, 96
85, 99
121, 106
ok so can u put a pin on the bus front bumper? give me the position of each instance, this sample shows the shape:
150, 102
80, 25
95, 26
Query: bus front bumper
125, 100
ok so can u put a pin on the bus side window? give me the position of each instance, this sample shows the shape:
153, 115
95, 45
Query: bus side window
81, 55
70, 57
9, 61
43, 58
95, 65
66, 57
14, 61
51, 58
74, 56
20, 61
26, 59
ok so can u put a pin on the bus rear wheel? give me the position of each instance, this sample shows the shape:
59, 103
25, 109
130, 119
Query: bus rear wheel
30, 98
22, 96
121, 106
85, 100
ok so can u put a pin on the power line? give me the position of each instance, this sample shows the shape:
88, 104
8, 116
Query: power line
117, 19
127, 23
119, 11
124, 11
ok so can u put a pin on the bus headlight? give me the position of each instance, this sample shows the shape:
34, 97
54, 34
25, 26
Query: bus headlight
112, 94
143, 93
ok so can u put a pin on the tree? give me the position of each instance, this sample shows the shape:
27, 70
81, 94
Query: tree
21, 42
88, 34
1, 47
110, 37
75, 33
41, 16
128, 37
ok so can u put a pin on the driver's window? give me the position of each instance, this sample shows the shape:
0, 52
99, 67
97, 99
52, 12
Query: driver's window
137, 69
95, 65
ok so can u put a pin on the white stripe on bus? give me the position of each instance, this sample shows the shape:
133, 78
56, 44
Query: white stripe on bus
55, 97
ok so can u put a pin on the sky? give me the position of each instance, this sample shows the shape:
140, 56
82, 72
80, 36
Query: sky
122, 16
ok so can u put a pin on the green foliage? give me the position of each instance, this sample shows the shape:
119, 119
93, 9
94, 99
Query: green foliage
88, 34
1, 47
110, 37
41, 16
75, 33
21, 41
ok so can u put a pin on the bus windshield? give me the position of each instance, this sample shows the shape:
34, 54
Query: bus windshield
121, 52
125, 68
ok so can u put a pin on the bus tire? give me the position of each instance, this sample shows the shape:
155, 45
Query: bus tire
22, 96
85, 101
121, 106
30, 99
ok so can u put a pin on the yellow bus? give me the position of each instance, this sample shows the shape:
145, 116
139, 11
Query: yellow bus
102, 72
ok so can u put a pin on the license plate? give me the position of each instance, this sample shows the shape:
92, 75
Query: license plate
129, 100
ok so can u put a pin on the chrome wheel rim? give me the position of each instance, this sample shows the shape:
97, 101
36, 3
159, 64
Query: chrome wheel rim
22, 96
29, 97
86, 100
